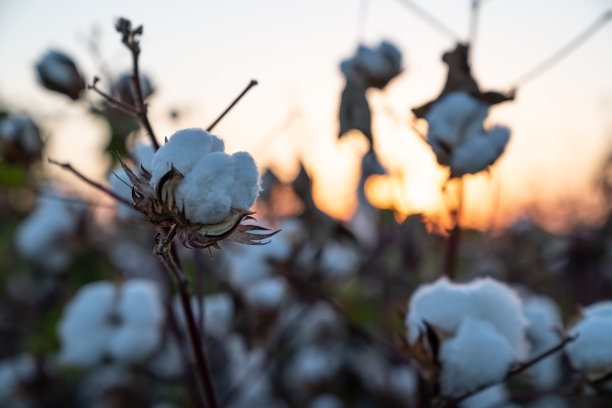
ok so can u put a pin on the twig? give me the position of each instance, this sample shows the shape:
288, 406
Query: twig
68, 166
434, 22
162, 249
229, 108
474, 13
112, 101
565, 50
517, 370
452, 246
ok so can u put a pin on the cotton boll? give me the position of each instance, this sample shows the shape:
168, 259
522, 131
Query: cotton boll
478, 355
339, 259
591, 353
267, 293
245, 187
21, 130
184, 149
403, 381
39, 237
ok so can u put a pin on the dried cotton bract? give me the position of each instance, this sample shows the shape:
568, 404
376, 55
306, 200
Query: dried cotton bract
200, 190
457, 135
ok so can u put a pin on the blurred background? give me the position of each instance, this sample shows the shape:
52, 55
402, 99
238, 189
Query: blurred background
200, 54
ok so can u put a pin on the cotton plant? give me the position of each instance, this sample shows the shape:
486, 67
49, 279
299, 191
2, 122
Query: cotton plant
121, 322
20, 139
47, 237
479, 329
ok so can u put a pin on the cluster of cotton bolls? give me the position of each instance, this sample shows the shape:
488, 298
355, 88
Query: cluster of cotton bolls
47, 236
108, 321
484, 327
457, 135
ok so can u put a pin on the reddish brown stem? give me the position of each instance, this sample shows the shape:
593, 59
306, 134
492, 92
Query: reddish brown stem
182, 283
229, 108
68, 166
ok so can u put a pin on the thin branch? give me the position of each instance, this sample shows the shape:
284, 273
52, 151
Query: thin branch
452, 247
429, 18
162, 249
517, 370
112, 101
564, 51
229, 108
68, 166
474, 14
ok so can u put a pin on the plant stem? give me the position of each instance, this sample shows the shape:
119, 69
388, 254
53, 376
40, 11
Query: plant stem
68, 166
162, 250
452, 246
229, 108
142, 107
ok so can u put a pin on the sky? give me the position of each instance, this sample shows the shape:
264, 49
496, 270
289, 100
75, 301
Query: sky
201, 54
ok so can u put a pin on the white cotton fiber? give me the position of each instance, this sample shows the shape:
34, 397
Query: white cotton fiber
143, 154
214, 182
267, 293
477, 356
446, 304
591, 352
183, 150
480, 151
219, 313
102, 320
40, 236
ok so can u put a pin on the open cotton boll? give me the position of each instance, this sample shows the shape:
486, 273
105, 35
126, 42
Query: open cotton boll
478, 355
591, 352
23, 131
479, 151
495, 396
103, 320
246, 186
40, 236
313, 364
445, 305
13, 372
601, 309
218, 313
326, 401
85, 328
183, 150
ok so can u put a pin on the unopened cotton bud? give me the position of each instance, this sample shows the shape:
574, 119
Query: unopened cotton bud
57, 72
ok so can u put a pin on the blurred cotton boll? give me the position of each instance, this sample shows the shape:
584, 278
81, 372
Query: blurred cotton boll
14, 372
104, 320
57, 72
20, 140
591, 353
457, 135
123, 89
46, 237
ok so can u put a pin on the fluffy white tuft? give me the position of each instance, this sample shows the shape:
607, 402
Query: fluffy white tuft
478, 355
